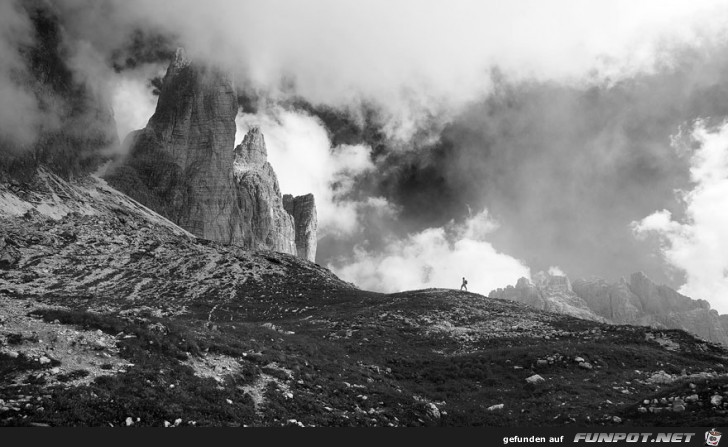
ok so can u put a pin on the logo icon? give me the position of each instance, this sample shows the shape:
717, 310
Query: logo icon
712, 437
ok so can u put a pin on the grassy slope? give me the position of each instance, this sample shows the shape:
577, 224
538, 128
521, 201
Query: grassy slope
350, 366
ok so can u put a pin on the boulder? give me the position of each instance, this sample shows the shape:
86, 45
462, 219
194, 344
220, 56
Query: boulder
9, 255
432, 411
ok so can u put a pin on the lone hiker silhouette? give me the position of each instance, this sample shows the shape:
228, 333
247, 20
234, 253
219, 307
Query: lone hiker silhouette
465, 284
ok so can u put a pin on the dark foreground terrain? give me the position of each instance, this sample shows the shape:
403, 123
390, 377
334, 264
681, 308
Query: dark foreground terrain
112, 316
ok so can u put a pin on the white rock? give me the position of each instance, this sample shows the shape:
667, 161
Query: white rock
535, 379
495, 407
129, 421
433, 411
43, 360
579, 359
716, 400
13, 354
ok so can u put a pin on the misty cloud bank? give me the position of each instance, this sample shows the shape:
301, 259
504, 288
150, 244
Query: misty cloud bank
436, 257
548, 124
20, 116
696, 244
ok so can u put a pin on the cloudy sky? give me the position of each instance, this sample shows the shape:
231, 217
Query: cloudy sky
443, 139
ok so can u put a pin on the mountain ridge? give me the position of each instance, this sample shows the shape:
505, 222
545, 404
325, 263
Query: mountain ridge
637, 300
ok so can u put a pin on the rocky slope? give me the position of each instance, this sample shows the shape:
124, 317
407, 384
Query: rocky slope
87, 241
635, 301
111, 315
184, 166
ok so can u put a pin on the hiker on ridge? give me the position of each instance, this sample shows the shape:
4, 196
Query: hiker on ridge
465, 284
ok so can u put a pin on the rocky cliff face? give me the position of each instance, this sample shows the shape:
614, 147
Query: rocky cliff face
636, 300
183, 165
305, 221
548, 292
259, 198
641, 301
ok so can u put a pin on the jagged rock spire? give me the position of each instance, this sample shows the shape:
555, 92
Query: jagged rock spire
252, 151
183, 165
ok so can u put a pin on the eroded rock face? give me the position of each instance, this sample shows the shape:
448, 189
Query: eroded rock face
640, 301
637, 300
303, 210
183, 165
616, 302
548, 292
259, 198
180, 164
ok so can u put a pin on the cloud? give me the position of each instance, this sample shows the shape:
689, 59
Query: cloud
698, 243
554, 113
132, 98
305, 162
419, 59
434, 257
556, 271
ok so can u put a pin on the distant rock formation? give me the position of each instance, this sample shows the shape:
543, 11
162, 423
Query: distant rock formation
184, 165
548, 292
303, 210
637, 301
640, 301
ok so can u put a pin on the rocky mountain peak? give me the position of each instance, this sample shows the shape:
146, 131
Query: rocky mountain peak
184, 165
252, 150
554, 282
524, 283
639, 300
179, 62
548, 292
